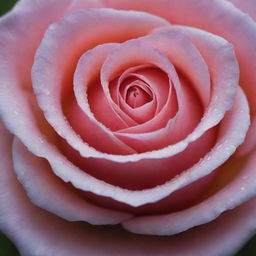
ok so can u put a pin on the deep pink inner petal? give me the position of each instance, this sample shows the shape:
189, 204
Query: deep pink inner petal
137, 97
146, 110
168, 126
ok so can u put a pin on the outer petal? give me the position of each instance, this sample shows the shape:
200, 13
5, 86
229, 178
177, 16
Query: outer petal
247, 6
50, 193
230, 137
241, 172
23, 222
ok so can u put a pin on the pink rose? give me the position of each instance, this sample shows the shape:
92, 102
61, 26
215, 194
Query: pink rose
133, 112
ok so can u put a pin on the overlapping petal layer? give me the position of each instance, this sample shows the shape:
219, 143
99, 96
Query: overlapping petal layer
110, 160
225, 20
23, 222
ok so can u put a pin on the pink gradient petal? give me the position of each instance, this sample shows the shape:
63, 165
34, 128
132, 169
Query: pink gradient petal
224, 20
18, 108
217, 54
167, 105
22, 222
17, 99
162, 131
78, 108
144, 142
223, 67
186, 58
226, 145
49, 69
142, 107
232, 132
234, 193
247, 6
92, 132
139, 52
229, 197
52, 194
155, 80
250, 140
12, 125
145, 173
230, 136
87, 72
33, 135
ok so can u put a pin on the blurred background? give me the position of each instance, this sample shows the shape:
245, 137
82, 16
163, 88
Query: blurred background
6, 246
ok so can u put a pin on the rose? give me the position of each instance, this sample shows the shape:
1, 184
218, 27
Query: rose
119, 169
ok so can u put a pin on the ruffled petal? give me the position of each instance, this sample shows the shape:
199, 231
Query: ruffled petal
224, 20
50, 193
233, 194
50, 69
231, 134
22, 222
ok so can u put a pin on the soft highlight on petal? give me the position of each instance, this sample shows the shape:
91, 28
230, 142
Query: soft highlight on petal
22, 222
50, 193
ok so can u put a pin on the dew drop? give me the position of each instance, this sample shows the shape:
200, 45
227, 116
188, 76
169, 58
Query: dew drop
16, 112
41, 141
208, 158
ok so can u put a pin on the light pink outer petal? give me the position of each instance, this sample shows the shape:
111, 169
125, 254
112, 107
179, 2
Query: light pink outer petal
247, 6
9, 112
230, 137
38, 233
60, 165
239, 191
26, 24
50, 193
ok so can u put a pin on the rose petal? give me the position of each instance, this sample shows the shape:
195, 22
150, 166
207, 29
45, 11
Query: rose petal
23, 222
87, 71
224, 19
33, 138
79, 114
220, 58
247, 6
162, 131
145, 102
231, 135
49, 69
11, 125
16, 98
154, 79
50, 193
229, 197
138, 52
238, 191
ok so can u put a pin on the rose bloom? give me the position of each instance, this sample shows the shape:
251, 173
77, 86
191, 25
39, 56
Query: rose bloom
128, 127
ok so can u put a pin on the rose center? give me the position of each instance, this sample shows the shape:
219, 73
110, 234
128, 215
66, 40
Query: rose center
137, 97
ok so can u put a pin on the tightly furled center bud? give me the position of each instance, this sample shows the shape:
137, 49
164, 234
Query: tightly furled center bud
137, 97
